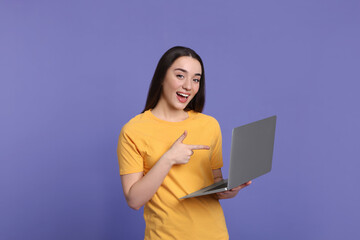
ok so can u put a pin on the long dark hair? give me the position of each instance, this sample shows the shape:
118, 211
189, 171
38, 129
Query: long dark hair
165, 62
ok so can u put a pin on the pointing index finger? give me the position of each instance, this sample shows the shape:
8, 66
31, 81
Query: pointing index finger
199, 147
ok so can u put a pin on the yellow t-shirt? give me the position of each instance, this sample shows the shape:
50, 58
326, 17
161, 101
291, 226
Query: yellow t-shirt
143, 140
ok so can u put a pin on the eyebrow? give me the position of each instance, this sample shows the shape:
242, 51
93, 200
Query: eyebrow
183, 70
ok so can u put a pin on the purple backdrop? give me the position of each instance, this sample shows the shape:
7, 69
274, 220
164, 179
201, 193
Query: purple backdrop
73, 72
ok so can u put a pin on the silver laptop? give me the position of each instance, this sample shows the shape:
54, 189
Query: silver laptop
251, 155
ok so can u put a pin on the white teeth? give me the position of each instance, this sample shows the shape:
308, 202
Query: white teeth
184, 95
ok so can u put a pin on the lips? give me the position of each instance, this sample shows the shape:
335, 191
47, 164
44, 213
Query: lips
182, 97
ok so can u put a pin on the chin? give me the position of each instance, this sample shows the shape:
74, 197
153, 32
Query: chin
179, 107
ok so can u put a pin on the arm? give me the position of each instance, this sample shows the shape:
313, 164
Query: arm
139, 189
217, 175
230, 193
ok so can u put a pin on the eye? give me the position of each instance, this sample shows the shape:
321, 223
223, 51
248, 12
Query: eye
180, 76
196, 80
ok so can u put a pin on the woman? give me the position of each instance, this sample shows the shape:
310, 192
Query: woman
170, 150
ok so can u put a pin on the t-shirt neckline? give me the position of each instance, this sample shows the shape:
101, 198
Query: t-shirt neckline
152, 116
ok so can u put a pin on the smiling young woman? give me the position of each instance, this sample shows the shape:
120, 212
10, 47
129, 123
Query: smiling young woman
180, 85
170, 150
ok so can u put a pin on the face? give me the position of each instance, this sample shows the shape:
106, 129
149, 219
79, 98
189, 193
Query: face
181, 83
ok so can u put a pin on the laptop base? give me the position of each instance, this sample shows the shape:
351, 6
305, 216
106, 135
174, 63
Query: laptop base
220, 186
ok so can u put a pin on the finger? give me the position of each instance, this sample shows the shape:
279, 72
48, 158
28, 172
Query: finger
238, 188
225, 192
199, 147
246, 184
241, 186
182, 137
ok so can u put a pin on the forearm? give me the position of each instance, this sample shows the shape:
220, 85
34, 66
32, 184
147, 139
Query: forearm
218, 179
140, 189
217, 174
145, 188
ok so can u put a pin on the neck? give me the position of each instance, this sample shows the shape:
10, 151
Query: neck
169, 114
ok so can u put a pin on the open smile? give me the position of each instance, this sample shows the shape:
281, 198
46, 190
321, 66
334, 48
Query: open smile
182, 97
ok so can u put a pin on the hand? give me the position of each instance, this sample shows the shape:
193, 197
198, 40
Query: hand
180, 153
232, 192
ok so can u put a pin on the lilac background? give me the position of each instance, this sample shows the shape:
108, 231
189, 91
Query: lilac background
73, 72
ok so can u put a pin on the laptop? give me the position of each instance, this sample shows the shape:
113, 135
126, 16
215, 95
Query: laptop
251, 155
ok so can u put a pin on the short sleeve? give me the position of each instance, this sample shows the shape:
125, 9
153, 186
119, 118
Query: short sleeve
216, 154
129, 156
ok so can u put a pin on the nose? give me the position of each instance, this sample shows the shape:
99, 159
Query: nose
187, 85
